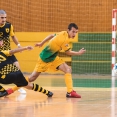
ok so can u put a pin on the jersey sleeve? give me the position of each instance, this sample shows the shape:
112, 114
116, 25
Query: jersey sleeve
6, 52
11, 31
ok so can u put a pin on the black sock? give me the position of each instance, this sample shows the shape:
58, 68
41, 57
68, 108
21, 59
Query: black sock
38, 88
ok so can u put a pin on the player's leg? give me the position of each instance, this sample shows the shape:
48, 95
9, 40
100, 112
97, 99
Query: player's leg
68, 80
31, 78
36, 73
16, 63
21, 81
3, 92
39, 67
21, 90
34, 76
16, 78
34, 87
38, 88
59, 64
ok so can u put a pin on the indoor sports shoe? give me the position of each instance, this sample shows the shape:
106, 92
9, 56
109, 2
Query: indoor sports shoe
22, 91
21, 97
73, 94
3, 93
9, 91
50, 94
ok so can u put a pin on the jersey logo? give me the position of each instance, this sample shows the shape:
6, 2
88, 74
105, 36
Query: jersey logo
66, 45
2, 58
7, 30
1, 34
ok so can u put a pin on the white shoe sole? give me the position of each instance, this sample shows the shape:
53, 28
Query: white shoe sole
22, 91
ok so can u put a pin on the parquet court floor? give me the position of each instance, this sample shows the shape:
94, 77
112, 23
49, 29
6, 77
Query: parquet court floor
34, 104
95, 102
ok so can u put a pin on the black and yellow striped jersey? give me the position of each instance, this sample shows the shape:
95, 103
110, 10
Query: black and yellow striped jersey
6, 31
6, 65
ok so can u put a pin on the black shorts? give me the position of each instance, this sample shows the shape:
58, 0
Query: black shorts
12, 58
16, 78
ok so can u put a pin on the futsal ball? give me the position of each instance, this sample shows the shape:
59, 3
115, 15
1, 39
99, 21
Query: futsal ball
115, 68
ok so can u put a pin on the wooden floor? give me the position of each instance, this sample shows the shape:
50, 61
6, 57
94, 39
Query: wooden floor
94, 103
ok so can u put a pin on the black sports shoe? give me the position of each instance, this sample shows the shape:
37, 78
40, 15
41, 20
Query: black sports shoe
3, 93
50, 94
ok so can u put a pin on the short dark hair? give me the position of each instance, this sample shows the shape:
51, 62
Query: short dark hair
72, 25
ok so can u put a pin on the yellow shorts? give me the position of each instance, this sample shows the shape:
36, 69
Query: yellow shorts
42, 66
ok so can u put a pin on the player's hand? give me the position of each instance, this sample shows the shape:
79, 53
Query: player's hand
29, 47
82, 51
39, 44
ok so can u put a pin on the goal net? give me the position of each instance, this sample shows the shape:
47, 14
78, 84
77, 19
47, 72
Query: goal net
114, 58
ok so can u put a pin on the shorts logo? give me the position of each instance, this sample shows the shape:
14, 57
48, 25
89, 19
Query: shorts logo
7, 30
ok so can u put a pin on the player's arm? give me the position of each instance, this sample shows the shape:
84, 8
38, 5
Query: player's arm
45, 40
80, 52
14, 38
13, 51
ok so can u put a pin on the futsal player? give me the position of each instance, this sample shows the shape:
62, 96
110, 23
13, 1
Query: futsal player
49, 59
6, 31
9, 73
